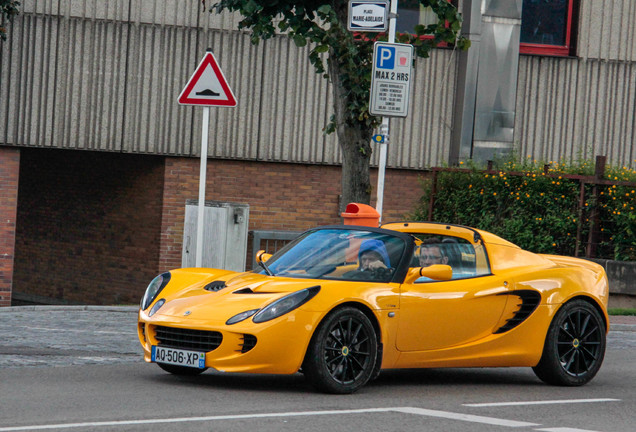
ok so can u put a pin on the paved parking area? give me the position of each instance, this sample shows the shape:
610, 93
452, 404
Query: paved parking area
68, 335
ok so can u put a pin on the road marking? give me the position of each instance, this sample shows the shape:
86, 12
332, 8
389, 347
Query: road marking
546, 402
464, 417
564, 430
405, 410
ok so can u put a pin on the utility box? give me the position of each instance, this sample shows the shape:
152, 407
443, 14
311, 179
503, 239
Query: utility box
224, 235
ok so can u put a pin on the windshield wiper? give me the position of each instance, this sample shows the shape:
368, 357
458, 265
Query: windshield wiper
267, 270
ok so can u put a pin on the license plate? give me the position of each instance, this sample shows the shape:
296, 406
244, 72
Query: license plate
178, 357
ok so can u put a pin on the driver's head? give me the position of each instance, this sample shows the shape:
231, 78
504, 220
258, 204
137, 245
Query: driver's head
377, 248
367, 258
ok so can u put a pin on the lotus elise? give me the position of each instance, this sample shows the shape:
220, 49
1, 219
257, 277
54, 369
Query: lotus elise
341, 303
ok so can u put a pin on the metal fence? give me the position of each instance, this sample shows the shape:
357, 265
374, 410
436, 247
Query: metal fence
269, 241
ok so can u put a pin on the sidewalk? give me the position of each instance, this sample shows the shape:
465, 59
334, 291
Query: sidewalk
80, 335
617, 322
622, 323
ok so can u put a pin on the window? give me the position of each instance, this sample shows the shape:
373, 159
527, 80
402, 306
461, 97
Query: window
412, 13
546, 27
466, 260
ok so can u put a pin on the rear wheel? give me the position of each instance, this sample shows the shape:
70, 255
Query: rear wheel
574, 346
342, 353
180, 370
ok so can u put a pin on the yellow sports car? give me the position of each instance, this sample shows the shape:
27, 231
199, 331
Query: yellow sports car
341, 303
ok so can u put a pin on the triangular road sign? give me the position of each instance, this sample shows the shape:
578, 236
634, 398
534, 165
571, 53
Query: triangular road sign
207, 86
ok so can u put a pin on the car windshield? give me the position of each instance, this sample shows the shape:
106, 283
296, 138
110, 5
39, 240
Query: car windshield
339, 254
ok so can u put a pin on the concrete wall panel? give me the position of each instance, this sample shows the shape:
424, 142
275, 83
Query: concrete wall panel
423, 138
607, 30
582, 108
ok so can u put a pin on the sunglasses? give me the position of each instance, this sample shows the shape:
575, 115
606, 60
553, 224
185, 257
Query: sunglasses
430, 256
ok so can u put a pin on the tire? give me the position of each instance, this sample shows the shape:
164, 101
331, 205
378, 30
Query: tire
574, 346
342, 354
180, 370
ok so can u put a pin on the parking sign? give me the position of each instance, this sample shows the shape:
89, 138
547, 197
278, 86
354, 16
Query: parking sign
391, 79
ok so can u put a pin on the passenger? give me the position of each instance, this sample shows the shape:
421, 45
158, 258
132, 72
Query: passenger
431, 253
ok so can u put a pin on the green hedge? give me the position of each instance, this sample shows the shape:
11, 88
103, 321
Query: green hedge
538, 210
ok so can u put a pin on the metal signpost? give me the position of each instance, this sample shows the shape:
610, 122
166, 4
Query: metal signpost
390, 87
207, 87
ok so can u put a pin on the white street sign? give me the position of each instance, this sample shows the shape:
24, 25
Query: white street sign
368, 15
207, 87
391, 79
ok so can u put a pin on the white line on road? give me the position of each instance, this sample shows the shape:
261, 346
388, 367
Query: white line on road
564, 430
406, 410
464, 417
546, 402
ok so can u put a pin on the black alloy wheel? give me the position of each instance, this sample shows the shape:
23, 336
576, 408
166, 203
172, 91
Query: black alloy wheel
343, 352
574, 347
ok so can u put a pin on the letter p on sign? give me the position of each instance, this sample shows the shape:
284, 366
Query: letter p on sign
386, 59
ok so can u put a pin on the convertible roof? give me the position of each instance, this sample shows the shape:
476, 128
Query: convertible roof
470, 234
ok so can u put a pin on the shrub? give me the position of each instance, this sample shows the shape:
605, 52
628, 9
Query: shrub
536, 205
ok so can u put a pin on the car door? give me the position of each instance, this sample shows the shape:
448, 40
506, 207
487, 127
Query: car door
443, 314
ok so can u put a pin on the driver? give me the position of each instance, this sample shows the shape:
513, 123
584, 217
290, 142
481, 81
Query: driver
373, 256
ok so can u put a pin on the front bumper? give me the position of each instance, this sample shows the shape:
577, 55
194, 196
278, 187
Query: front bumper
279, 348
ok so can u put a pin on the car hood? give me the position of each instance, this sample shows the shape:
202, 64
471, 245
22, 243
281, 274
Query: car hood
227, 293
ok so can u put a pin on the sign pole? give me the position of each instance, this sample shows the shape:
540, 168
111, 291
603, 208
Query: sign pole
202, 180
384, 129
207, 87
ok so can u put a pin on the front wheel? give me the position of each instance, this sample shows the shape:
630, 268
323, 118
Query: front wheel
342, 353
574, 346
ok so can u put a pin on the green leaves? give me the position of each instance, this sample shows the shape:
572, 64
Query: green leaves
325, 25
540, 211
8, 9
321, 49
299, 40
250, 7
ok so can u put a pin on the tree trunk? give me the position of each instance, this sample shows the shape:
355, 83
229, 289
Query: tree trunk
354, 141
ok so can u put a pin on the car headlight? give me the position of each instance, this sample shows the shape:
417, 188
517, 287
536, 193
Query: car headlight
285, 304
156, 307
240, 317
154, 288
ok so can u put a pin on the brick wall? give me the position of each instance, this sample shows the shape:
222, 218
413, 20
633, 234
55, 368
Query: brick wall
281, 196
88, 226
9, 174
94, 228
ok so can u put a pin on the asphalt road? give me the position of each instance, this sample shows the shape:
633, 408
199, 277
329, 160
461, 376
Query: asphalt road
61, 371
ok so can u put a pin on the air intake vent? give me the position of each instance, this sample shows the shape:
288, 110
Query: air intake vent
529, 302
198, 340
249, 342
215, 286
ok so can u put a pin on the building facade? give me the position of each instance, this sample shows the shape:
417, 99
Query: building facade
97, 159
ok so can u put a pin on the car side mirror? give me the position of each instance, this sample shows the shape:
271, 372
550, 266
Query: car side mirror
262, 256
440, 272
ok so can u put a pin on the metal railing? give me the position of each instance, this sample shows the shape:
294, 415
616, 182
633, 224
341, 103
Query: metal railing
269, 241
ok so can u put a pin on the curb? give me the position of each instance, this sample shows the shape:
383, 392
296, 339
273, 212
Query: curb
622, 327
69, 308
129, 309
